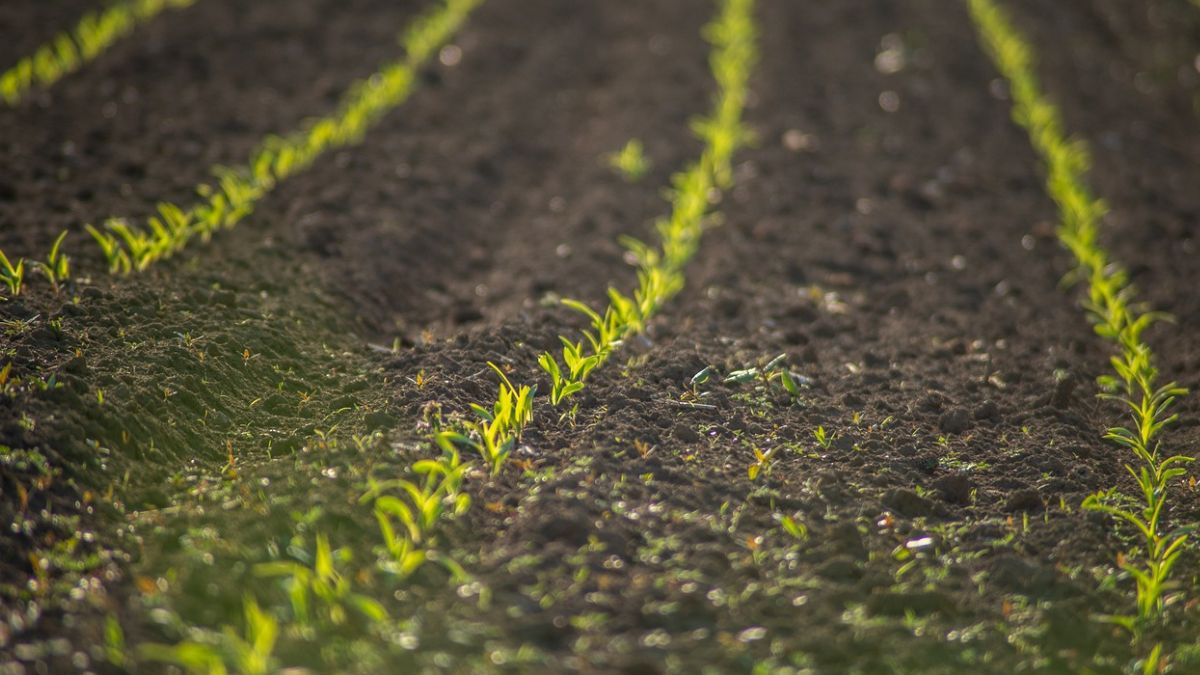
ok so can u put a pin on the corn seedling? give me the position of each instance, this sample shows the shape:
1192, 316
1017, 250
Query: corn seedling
497, 430
12, 275
57, 266
631, 161
408, 510
416, 506
1116, 317
236, 191
71, 50
823, 438
225, 651
660, 270
322, 582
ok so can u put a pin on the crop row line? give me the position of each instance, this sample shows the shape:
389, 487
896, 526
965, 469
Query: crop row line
129, 247
660, 271
71, 50
1117, 317
500, 425
408, 510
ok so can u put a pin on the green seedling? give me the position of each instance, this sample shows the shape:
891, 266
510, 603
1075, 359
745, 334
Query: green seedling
497, 431
114, 641
762, 462
631, 161
322, 582
775, 372
7, 381
57, 266
823, 438
12, 275
226, 651
794, 528
700, 379
1116, 317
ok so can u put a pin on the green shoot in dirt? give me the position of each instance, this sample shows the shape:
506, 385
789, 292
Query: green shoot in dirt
71, 50
660, 270
132, 248
762, 462
12, 275
823, 438
497, 431
324, 583
57, 266
794, 528
249, 655
775, 372
1116, 317
631, 161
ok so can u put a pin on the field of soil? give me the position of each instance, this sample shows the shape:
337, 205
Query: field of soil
163, 435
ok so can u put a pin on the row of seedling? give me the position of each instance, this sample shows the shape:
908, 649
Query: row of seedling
56, 268
660, 270
131, 247
1117, 317
409, 509
71, 50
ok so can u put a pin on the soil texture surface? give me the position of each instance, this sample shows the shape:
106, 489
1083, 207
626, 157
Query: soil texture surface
169, 438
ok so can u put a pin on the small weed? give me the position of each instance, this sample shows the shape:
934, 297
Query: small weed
631, 161
794, 528
774, 373
7, 382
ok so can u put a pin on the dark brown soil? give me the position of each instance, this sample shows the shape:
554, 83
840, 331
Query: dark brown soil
888, 232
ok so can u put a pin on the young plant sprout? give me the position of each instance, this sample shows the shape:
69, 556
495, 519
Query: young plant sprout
631, 161
12, 275
57, 266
